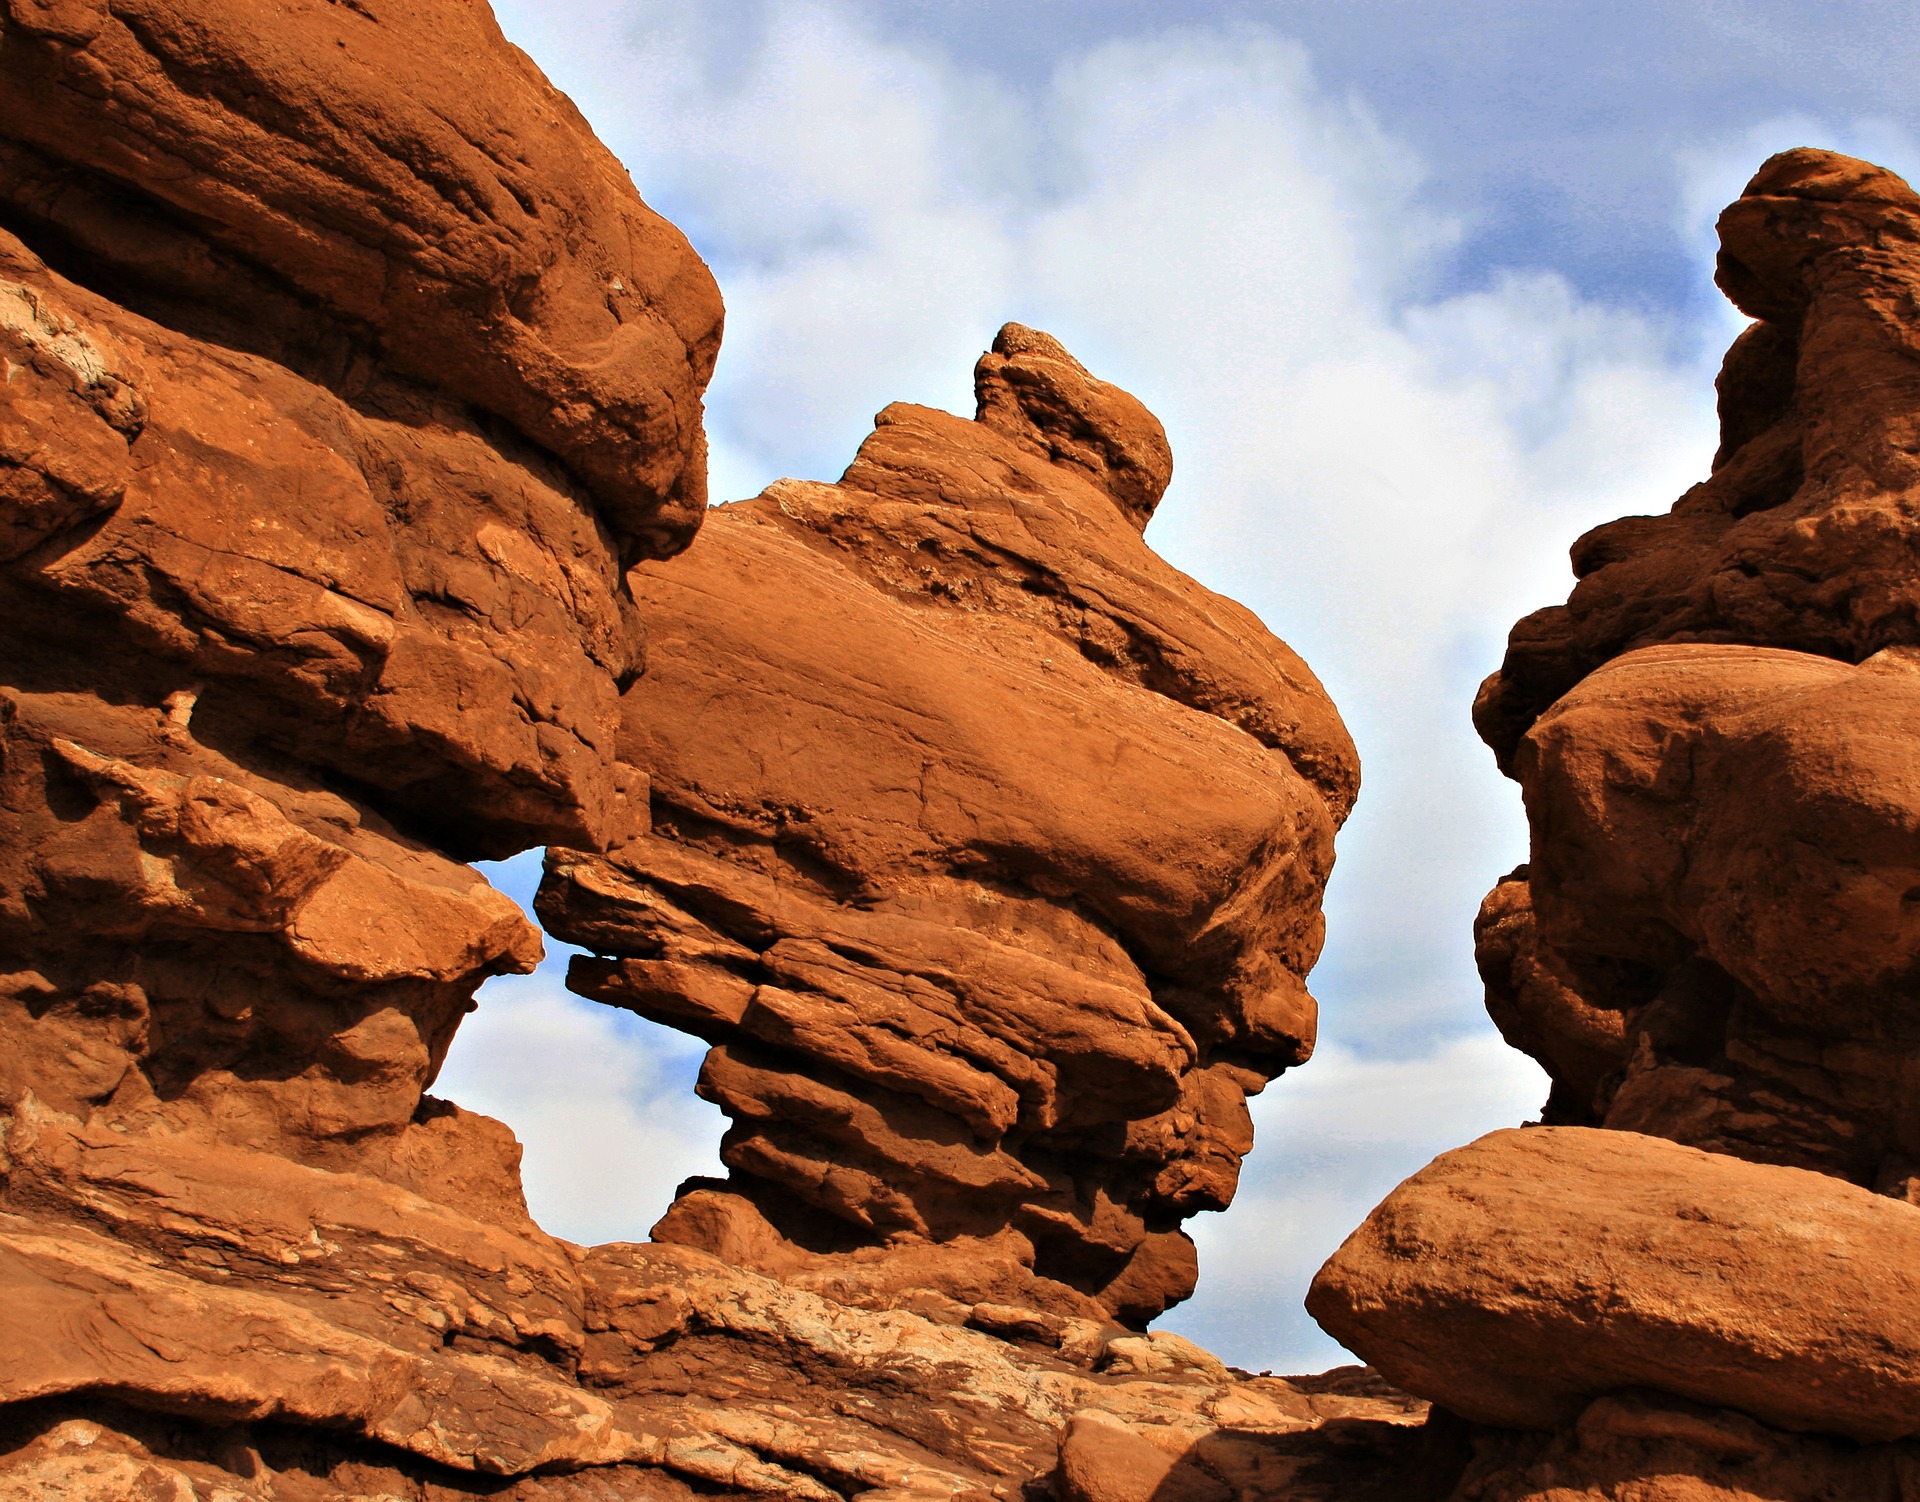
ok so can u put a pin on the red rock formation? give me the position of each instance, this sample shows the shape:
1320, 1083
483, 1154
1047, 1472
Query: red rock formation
1714, 941
282, 597
342, 375
987, 850
1727, 844
1519, 1278
1800, 538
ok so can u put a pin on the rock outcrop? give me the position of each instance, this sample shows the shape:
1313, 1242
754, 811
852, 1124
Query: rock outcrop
986, 849
1715, 941
1714, 938
343, 378
1802, 537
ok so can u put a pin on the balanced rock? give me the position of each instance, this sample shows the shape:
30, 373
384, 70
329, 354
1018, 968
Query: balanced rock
1518, 1278
1712, 947
987, 850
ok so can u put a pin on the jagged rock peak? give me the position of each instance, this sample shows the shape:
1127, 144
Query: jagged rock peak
1029, 388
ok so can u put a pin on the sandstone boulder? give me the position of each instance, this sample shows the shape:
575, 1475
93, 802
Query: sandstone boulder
1518, 1278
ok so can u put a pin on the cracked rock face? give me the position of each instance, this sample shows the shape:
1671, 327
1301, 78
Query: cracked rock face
987, 850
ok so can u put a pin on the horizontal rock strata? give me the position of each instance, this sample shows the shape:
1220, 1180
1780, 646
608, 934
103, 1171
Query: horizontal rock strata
346, 377
986, 850
274, 1330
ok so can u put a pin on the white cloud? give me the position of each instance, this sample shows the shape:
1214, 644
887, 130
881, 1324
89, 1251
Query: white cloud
1388, 475
602, 1102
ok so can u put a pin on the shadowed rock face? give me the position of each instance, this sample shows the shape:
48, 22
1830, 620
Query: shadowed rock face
987, 849
1716, 940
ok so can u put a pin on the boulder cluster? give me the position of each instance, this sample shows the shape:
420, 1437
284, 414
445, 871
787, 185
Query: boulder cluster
1707, 1255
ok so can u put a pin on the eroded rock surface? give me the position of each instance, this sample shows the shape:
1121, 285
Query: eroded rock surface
987, 850
343, 376
1714, 942
1726, 852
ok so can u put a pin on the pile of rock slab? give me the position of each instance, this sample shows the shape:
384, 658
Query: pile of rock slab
1697, 1277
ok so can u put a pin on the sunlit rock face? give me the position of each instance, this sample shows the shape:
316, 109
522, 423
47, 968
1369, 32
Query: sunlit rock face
1717, 938
1715, 941
987, 849
344, 379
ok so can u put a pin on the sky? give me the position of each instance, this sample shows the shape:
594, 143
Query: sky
1421, 291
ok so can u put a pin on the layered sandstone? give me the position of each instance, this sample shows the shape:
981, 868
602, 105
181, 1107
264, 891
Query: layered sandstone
345, 376
987, 851
1714, 942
